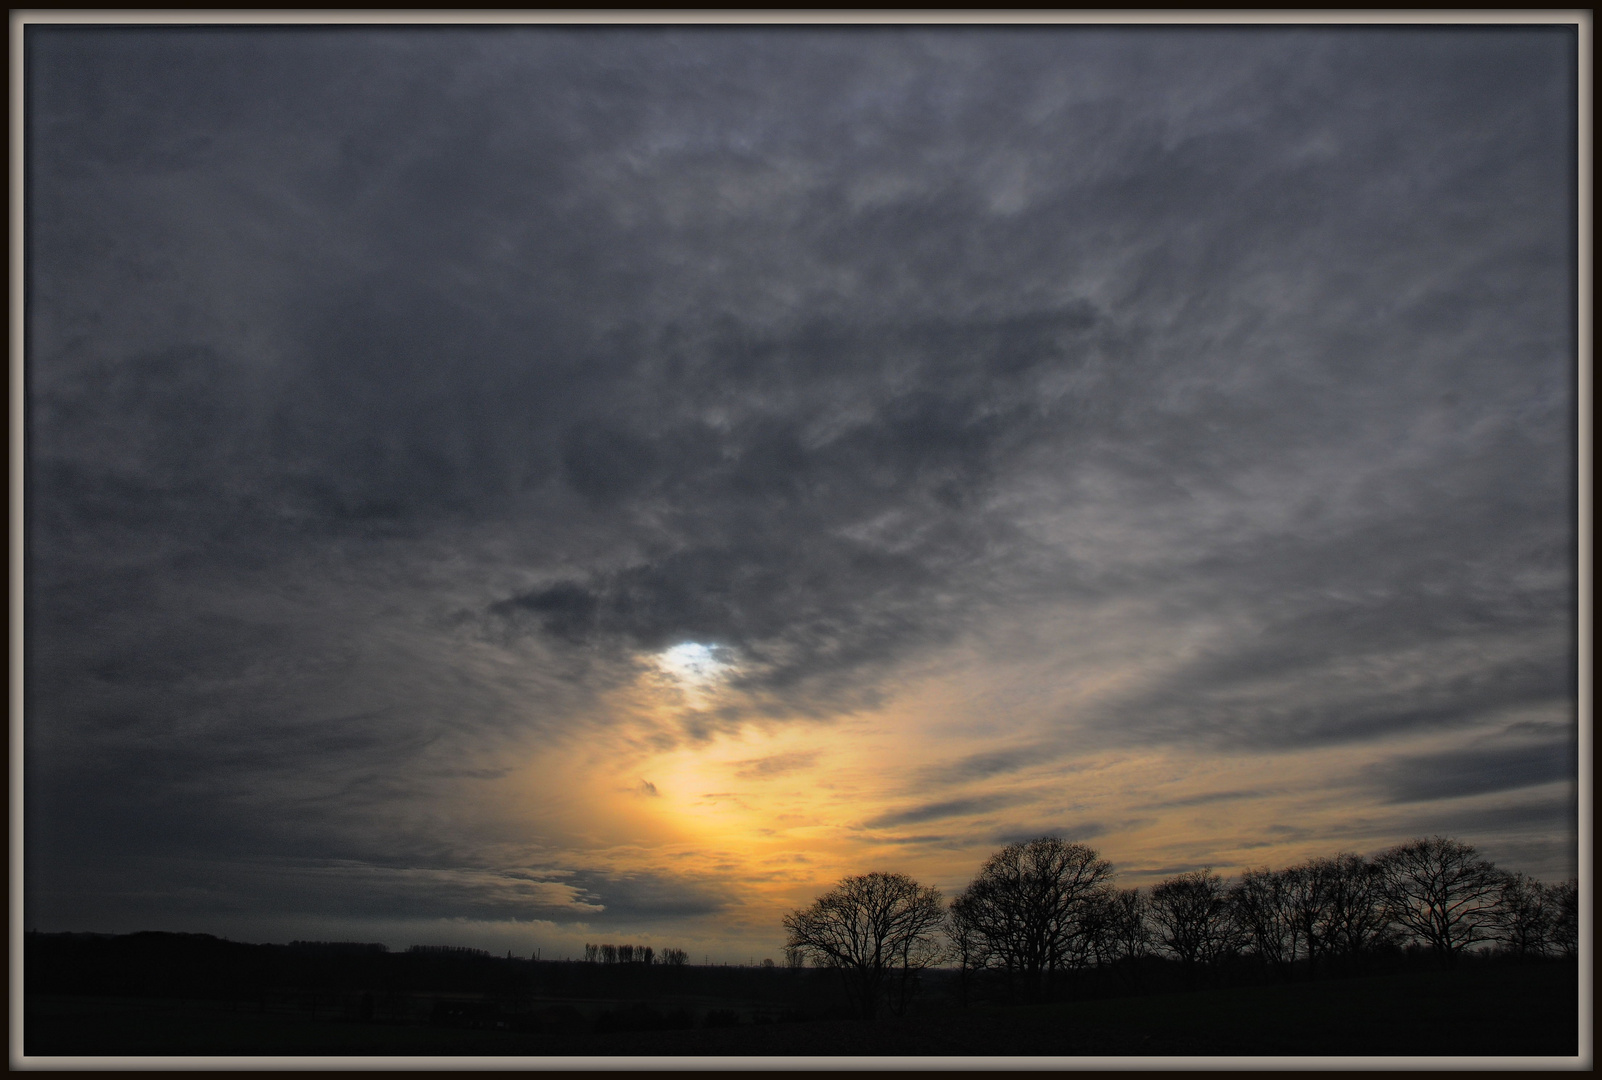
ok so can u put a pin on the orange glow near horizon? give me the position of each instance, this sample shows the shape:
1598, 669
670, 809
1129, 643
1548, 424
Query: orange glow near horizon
770, 813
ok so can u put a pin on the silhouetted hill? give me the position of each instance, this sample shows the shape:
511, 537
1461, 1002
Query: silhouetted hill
436, 985
164, 993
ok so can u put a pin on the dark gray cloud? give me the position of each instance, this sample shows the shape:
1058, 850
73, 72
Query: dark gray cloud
1455, 773
1204, 799
1077, 832
1511, 829
949, 840
983, 766
641, 897
775, 765
392, 392
149, 889
949, 808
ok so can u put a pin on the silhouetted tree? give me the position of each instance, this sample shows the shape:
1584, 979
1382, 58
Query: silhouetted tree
625, 954
1442, 894
1563, 899
868, 927
609, 954
1355, 923
1263, 914
1031, 905
1126, 928
591, 953
967, 945
645, 954
1194, 919
1307, 904
675, 957
1524, 916
1324, 907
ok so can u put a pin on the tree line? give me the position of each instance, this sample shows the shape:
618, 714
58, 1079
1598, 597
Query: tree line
1047, 906
634, 954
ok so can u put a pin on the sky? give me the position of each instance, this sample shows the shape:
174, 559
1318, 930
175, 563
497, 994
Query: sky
525, 486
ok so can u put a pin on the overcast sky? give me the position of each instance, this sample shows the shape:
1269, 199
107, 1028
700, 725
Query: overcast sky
516, 487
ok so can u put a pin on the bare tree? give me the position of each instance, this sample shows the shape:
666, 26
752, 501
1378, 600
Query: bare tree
867, 928
591, 953
1096, 927
1086, 943
1321, 908
1193, 918
1524, 915
1307, 905
967, 946
1564, 901
1355, 922
1117, 929
1032, 904
645, 954
675, 957
1128, 932
1263, 913
625, 954
1442, 894
608, 954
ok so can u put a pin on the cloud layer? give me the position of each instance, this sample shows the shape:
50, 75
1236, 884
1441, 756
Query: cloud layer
395, 395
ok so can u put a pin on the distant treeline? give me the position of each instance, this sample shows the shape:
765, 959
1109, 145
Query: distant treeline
441, 986
341, 946
634, 954
1042, 909
446, 950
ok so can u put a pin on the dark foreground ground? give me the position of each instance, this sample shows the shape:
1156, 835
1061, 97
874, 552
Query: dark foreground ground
1504, 1010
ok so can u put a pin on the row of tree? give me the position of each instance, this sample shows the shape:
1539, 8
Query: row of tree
1048, 906
634, 954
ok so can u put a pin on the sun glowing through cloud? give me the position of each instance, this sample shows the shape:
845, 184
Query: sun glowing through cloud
696, 669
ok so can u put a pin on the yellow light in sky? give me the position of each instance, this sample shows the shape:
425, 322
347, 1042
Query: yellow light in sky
696, 668
770, 811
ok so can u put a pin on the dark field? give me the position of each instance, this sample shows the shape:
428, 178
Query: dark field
1482, 1009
